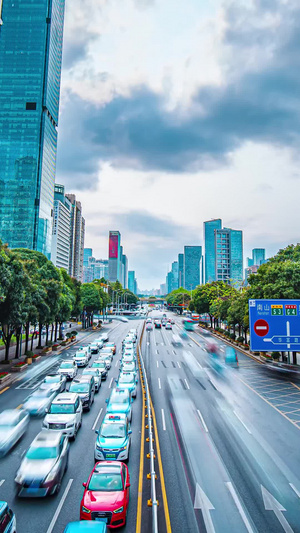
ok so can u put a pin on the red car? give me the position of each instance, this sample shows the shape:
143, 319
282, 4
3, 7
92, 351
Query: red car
106, 495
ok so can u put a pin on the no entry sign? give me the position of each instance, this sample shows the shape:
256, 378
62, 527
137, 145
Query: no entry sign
261, 328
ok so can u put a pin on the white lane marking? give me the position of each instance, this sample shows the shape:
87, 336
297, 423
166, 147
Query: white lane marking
178, 364
163, 420
202, 420
62, 501
157, 364
291, 485
96, 421
109, 386
174, 352
156, 351
116, 363
159, 383
187, 385
1, 482
239, 506
243, 423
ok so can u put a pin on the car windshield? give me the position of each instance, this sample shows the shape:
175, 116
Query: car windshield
66, 365
126, 379
90, 372
39, 452
80, 354
79, 387
119, 398
105, 482
52, 379
113, 431
99, 365
62, 408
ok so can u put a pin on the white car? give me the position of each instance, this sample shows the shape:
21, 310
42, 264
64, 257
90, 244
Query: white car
68, 369
149, 321
106, 360
38, 402
81, 358
100, 343
104, 337
127, 358
86, 350
65, 414
97, 376
94, 347
13, 424
56, 382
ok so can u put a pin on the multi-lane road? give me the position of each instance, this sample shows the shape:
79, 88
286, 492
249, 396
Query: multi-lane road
228, 443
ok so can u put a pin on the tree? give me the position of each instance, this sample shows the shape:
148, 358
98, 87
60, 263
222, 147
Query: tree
91, 302
206, 296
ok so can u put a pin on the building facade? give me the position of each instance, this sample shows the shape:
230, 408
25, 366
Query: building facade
76, 239
192, 267
61, 230
132, 282
180, 270
259, 256
174, 271
210, 251
114, 255
229, 256
31, 36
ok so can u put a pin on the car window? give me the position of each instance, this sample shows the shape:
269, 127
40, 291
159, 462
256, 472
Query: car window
79, 387
106, 482
38, 453
62, 409
76, 404
124, 474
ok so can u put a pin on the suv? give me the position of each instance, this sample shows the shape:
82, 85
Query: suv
81, 358
157, 324
65, 414
85, 349
68, 369
113, 441
94, 347
85, 388
7, 519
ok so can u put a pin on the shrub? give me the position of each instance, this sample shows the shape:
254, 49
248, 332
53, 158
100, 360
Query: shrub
240, 339
275, 355
232, 336
29, 353
21, 363
3, 374
227, 333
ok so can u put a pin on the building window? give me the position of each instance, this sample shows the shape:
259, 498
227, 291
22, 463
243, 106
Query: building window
30, 106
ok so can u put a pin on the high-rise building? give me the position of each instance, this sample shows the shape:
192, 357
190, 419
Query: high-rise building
163, 289
132, 282
61, 230
114, 255
31, 36
180, 270
174, 271
169, 282
192, 266
259, 256
229, 255
77, 239
210, 254
125, 271
87, 253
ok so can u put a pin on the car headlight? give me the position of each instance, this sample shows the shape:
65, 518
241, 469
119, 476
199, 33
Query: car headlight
120, 510
19, 478
85, 510
123, 448
51, 476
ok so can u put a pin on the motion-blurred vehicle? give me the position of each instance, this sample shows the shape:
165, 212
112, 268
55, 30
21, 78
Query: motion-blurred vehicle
104, 337
176, 341
163, 322
149, 327
85, 388
129, 366
8, 523
97, 376
56, 382
172, 321
13, 424
188, 324
113, 441
120, 402
112, 346
157, 324
106, 495
94, 347
102, 367
44, 465
81, 358
85, 527
65, 414
100, 343
231, 357
68, 369
39, 401
127, 380
168, 325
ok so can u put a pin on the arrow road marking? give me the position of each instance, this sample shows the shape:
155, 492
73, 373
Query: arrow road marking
271, 504
202, 502
291, 485
239, 506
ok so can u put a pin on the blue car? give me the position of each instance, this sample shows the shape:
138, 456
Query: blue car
7, 519
86, 525
120, 402
113, 441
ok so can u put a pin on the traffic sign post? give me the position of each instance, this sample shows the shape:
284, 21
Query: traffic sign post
274, 325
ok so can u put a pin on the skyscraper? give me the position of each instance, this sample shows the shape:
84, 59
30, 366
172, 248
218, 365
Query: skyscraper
132, 283
192, 266
87, 253
61, 231
125, 271
259, 256
31, 35
77, 239
174, 271
180, 270
114, 255
209, 242
229, 255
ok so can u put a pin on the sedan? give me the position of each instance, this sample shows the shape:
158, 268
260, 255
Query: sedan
39, 401
149, 327
97, 376
112, 346
13, 424
55, 382
168, 325
102, 367
106, 494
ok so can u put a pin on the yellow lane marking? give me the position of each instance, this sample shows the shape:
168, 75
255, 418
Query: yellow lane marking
3, 390
269, 403
19, 406
140, 485
161, 472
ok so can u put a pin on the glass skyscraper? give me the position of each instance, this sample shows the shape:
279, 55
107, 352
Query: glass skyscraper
180, 270
192, 266
210, 253
229, 255
31, 35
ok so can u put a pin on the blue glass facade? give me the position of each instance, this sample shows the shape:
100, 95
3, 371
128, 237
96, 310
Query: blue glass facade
209, 242
259, 256
180, 270
31, 38
229, 256
192, 266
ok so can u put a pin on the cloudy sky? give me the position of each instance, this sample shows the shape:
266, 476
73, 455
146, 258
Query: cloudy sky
177, 111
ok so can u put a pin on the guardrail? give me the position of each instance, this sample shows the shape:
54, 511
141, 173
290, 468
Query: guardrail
151, 455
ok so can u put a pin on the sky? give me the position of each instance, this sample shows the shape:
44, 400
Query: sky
173, 113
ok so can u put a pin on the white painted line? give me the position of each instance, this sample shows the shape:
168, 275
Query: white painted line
241, 421
62, 501
1, 482
239, 506
291, 485
178, 364
110, 383
163, 420
187, 385
200, 366
96, 421
157, 364
117, 362
202, 420
156, 352
174, 352
159, 383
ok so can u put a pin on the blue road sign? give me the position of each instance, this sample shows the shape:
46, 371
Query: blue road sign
274, 325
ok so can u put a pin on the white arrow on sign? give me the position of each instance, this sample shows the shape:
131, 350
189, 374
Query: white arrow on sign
202, 502
271, 504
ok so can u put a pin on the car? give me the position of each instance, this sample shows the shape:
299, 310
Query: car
128, 347
172, 321
113, 441
104, 337
133, 332
129, 366
231, 357
44, 465
81, 358
102, 367
8, 523
127, 380
176, 341
107, 352
56, 382
112, 346
168, 325
94, 347
120, 402
86, 350
68, 369
64, 414
127, 358
85, 388
157, 324
39, 401
100, 343
106, 494
149, 327
97, 376
105, 360
84, 527
149, 321
13, 425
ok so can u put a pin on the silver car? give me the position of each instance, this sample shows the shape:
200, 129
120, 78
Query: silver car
39, 401
97, 376
56, 382
13, 424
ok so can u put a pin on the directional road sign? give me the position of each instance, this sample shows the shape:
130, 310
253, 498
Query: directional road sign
274, 325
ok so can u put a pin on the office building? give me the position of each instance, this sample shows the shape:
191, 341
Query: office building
87, 253
76, 238
259, 256
31, 36
229, 256
61, 230
114, 256
94, 268
174, 271
192, 266
210, 254
124, 271
180, 270
132, 282
163, 289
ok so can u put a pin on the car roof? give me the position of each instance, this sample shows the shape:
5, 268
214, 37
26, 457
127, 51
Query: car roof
65, 397
82, 378
8, 415
46, 436
120, 390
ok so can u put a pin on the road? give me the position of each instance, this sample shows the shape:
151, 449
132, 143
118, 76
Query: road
229, 442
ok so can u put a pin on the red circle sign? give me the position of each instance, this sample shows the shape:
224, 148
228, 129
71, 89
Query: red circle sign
261, 327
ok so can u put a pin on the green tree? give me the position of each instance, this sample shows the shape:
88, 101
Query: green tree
91, 301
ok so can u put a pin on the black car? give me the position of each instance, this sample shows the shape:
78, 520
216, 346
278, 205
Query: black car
157, 324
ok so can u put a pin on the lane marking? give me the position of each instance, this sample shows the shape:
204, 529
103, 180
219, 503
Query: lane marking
293, 487
110, 383
178, 364
241, 421
159, 384
202, 420
3, 390
62, 501
157, 364
141, 474
1, 482
174, 352
19, 406
187, 385
163, 420
239, 506
96, 421
116, 363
